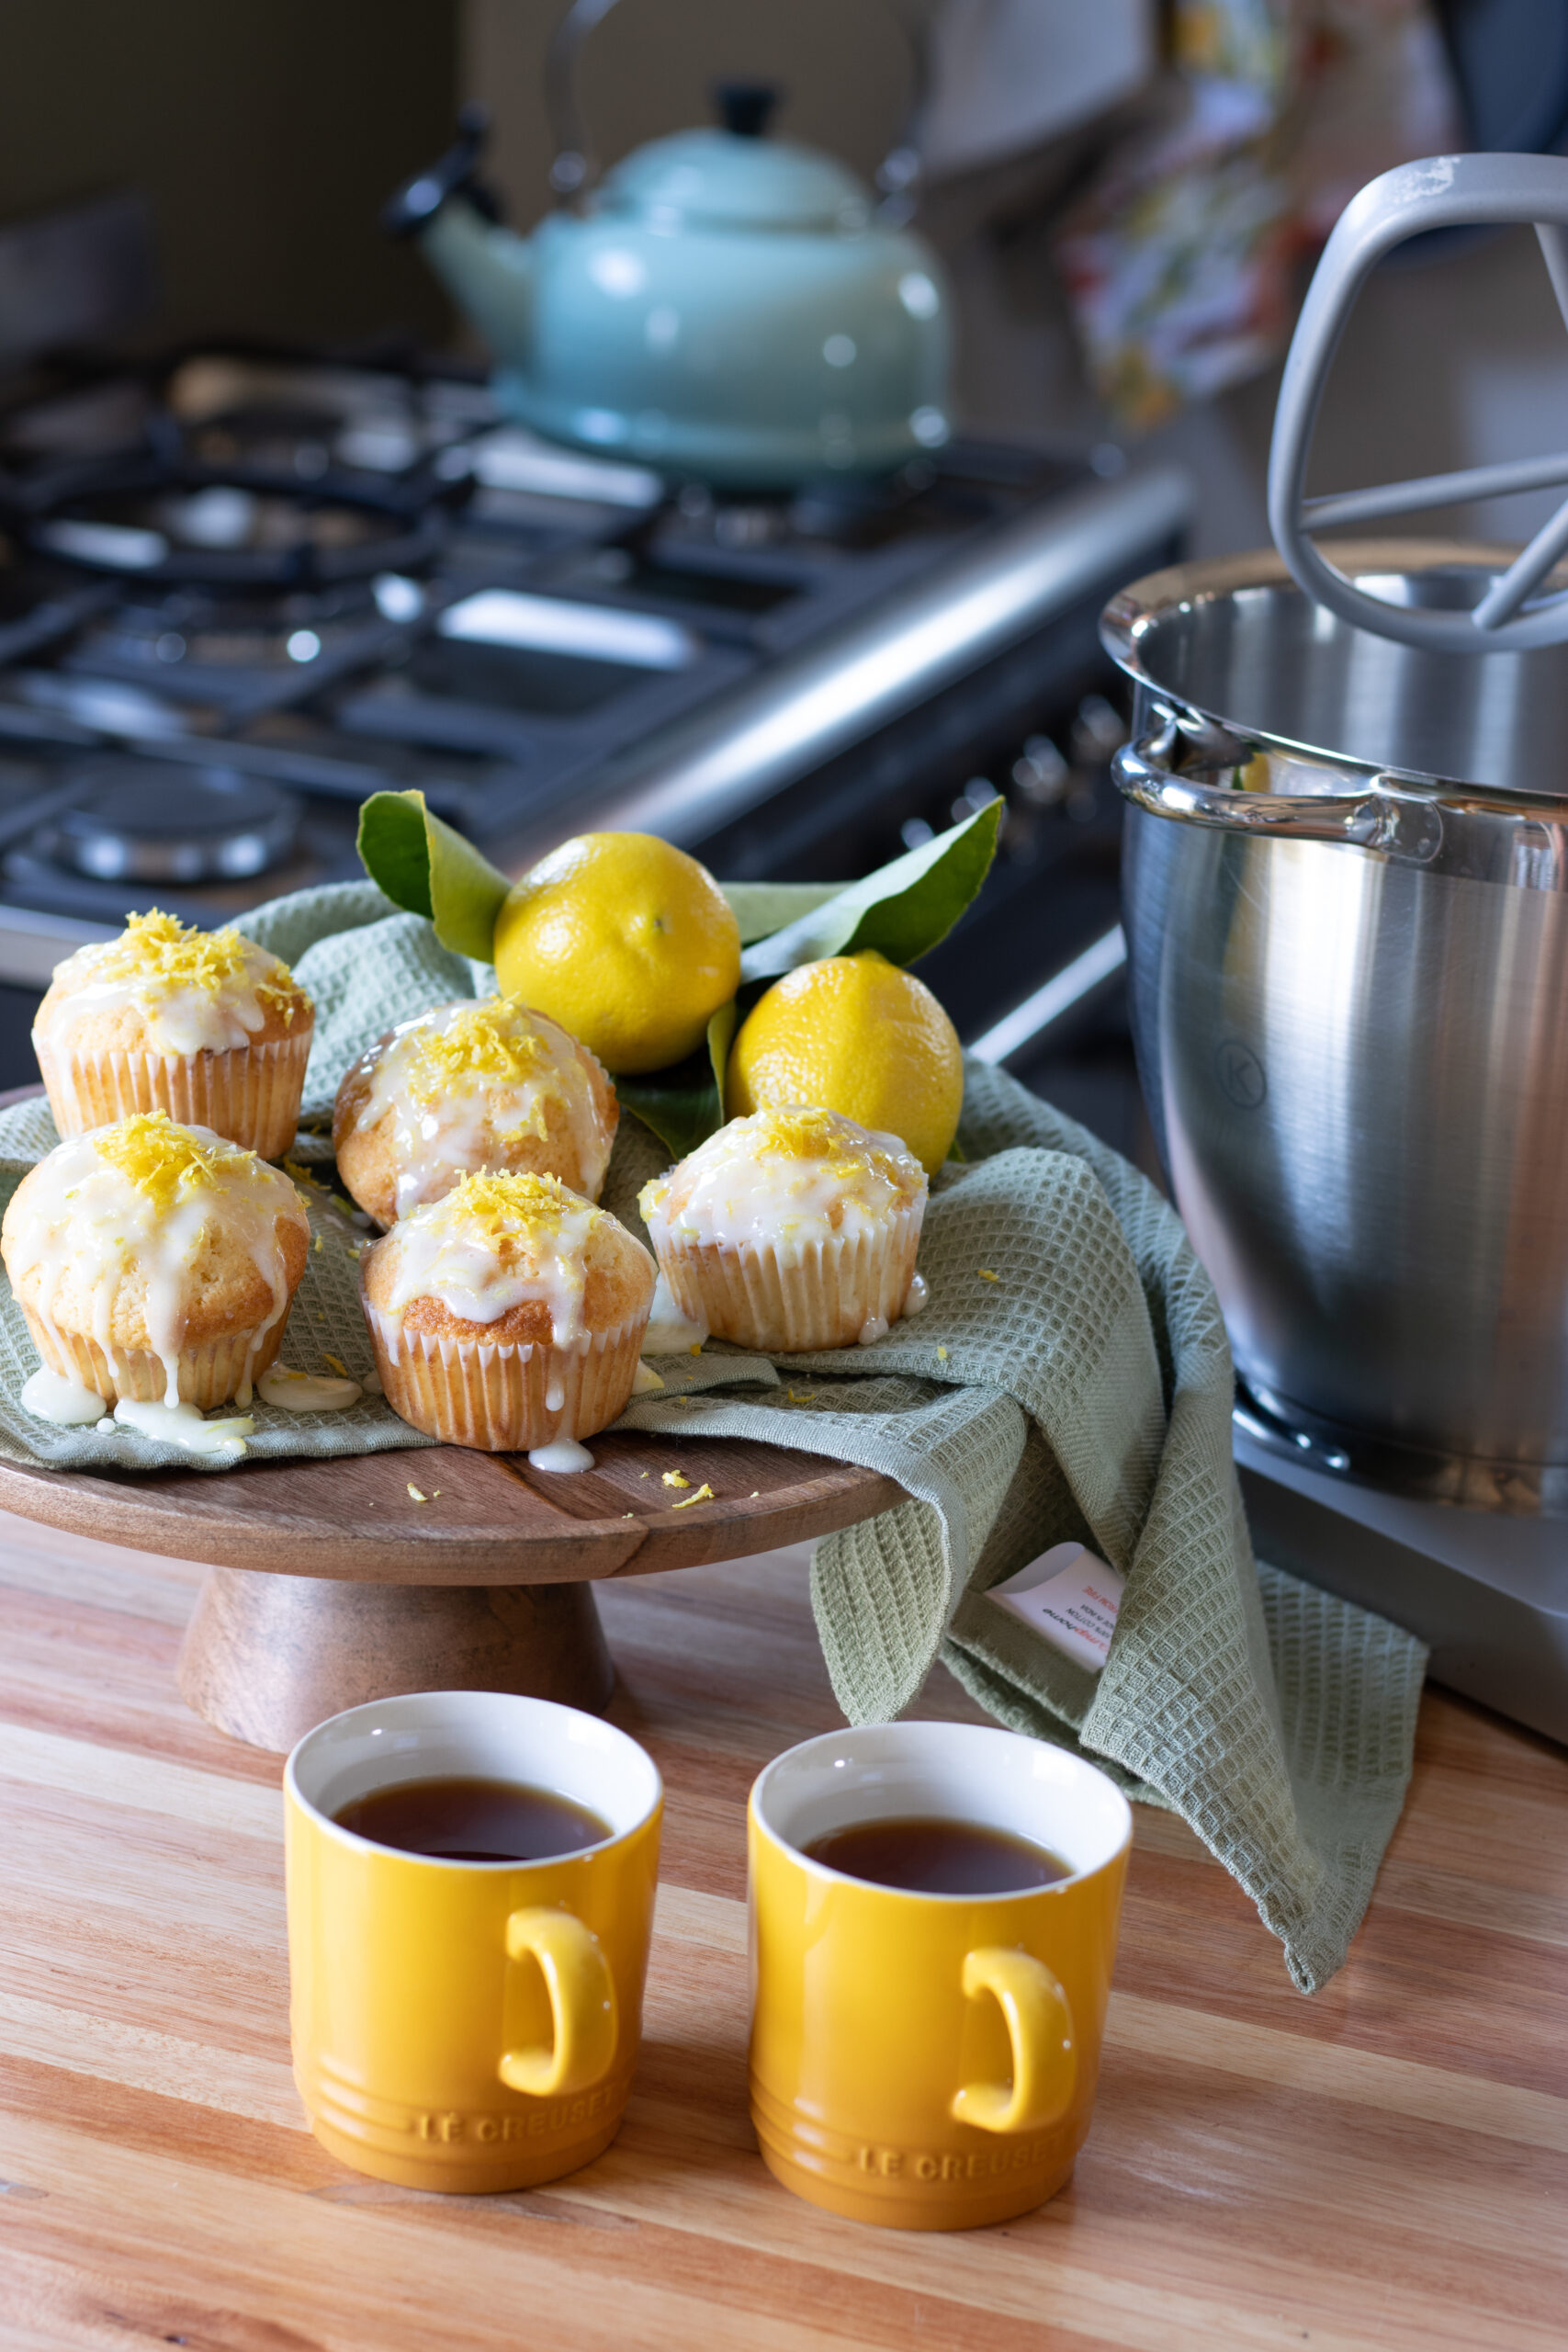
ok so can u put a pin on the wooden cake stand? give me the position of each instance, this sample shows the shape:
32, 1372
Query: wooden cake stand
329, 1583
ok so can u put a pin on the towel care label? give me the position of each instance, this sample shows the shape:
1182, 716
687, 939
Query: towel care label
1070, 1597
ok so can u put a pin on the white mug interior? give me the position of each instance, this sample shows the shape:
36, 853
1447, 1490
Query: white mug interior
968, 1772
472, 1734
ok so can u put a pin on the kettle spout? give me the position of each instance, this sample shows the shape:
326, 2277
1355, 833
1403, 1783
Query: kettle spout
489, 271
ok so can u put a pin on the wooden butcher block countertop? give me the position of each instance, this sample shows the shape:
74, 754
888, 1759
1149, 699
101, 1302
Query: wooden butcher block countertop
1386, 2165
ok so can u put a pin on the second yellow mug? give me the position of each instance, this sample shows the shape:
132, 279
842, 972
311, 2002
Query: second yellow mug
930, 2061
465, 2025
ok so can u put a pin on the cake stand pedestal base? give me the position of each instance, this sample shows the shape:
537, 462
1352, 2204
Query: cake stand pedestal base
267, 1657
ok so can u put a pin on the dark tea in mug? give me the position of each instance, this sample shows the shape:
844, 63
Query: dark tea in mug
463, 1820
926, 1855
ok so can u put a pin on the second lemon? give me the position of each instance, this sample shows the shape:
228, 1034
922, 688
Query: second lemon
626, 942
853, 1033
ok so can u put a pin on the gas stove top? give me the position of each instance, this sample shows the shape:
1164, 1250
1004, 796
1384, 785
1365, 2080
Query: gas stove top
240, 591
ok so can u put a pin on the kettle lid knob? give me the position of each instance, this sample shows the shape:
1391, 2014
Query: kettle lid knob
745, 108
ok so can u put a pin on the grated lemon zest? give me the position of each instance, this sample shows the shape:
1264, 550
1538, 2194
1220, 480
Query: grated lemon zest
492, 1039
167, 1162
171, 955
705, 1494
338, 1366
676, 1478
415, 1493
941, 1355
985, 1274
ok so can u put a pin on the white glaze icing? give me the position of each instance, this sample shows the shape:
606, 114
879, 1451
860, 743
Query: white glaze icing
93, 1221
563, 1454
669, 1333
789, 1179
646, 1381
875, 1328
197, 993
183, 1425
448, 1121
494, 1244
307, 1392
917, 1295
50, 1397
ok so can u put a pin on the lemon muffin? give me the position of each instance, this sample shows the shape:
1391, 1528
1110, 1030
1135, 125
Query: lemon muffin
791, 1230
465, 1087
205, 1025
509, 1315
155, 1263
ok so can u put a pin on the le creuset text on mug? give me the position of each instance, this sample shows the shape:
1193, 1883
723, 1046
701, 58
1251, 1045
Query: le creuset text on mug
930, 2061
456, 2025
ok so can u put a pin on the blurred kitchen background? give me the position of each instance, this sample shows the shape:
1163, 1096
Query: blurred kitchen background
257, 500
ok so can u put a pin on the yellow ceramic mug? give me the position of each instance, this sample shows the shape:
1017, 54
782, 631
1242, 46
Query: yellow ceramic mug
467, 2024
930, 2061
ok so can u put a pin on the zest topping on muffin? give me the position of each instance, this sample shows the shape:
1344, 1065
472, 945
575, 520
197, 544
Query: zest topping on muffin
196, 992
794, 1176
170, 1163
467, 1086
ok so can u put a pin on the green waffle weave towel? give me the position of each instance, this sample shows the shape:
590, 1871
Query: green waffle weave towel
1083, 1393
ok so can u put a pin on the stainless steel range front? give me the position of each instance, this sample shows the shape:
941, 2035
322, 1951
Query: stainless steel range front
240, 591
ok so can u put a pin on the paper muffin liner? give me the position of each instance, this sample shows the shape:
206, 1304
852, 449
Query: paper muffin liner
250, 1095
210, 1372
784, 1301
502, 1398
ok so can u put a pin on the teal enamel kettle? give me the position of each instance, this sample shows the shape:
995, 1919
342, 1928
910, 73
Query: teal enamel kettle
722, 306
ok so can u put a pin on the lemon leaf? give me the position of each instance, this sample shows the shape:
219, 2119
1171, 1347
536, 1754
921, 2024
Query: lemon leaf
903, 909
685, 1104
762, 908
425, 866
682, 1105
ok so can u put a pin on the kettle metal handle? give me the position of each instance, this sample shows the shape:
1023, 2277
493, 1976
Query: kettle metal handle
1443, 192
1381, 815
574, 169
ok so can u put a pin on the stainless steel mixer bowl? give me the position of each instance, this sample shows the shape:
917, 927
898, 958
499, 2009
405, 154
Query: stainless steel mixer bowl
1346, 905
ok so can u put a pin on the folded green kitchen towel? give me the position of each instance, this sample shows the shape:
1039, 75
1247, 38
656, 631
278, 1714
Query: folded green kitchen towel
1069, 1379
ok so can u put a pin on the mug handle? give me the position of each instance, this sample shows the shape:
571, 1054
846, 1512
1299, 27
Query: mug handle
583, 2003
1040, 2026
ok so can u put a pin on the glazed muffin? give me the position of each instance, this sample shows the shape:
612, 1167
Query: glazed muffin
465, 1087
155, 1262
509, 1315
205, 1025
791, 1229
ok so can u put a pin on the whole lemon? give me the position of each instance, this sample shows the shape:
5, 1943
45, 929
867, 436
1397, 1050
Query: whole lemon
628, 942
853, 1033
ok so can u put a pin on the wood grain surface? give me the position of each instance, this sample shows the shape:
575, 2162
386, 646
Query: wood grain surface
1385, 2166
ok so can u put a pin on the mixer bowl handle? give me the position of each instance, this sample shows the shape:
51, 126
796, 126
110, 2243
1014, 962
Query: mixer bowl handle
1443, 192
1381, 815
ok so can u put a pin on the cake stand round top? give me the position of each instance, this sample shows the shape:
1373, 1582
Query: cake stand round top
446, 1515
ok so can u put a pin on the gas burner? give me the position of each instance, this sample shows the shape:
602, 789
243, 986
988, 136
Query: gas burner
173, 522
157, 820
166, 639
